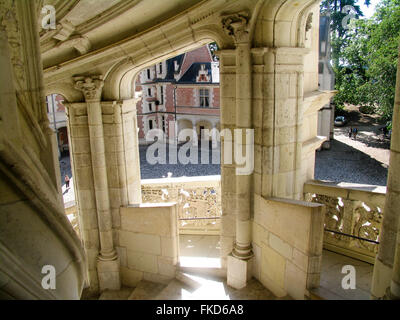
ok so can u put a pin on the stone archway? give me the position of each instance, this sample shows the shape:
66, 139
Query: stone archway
268, 69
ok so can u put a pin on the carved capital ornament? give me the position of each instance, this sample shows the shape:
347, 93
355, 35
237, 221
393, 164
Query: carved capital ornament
91, 86
237, 26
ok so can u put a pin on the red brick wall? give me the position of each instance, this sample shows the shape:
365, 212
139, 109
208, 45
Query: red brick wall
140, 126
139, 107
184, 97
216, 103
169, 98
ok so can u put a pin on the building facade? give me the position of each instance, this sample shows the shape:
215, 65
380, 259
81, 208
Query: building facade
58, 120
179, 93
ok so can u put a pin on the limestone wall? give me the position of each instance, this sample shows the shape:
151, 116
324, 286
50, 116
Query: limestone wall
287, 245
34, 231
148, 243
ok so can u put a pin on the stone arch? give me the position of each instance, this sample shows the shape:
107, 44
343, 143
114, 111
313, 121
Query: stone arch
282, 23
120, 77
202, 123
184, 123
67, 90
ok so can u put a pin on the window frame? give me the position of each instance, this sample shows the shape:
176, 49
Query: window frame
204, 97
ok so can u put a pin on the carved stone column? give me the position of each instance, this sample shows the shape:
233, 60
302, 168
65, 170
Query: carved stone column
387, 263
240, 261
107, 262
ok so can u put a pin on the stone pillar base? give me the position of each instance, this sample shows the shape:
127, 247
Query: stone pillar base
394, 291
239, 272
381, 279
109, 274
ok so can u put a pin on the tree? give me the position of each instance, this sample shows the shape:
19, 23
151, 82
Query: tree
367, 61
339, 34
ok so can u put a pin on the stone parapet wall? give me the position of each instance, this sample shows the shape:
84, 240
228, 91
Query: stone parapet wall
287, 245
148, 243
354, 212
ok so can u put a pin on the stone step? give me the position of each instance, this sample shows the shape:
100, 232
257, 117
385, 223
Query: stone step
146, 290
122, 294
187, 281
173, 291
322, 293
214, 272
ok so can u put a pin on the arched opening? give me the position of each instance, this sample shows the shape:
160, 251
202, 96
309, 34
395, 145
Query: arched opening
179, 98
58, 121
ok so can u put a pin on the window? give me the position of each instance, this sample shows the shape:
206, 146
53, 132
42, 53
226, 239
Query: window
163, 123
148, 74
150, 106
162, 95
204, 98
160, 67
150, 124
149, 92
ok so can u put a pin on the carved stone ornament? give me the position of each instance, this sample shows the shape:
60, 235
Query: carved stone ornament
236, 25
91, 86
309, 23
10, 25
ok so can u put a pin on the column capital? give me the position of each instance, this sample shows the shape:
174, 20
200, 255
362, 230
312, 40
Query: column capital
237, 26
91, 86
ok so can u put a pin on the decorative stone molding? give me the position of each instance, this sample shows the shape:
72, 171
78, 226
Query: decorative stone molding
202, 17
91, 86
81, 44
309, 23
237, 25
199, 201
351, 211
10, 24
65, 29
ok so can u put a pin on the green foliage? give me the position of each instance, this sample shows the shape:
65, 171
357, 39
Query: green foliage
213, 46
365, 60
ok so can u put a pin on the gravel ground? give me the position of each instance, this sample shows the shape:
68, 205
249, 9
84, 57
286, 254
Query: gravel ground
364, 160
343, 163
154, 171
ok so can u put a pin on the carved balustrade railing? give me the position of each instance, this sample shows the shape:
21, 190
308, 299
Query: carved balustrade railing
198, 198
71, 212
353, 216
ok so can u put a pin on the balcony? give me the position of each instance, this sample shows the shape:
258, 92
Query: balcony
353, 220
198, 199
353, 217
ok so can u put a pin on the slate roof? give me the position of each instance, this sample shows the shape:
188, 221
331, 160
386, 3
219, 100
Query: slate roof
193, 71
171, 67
189, 77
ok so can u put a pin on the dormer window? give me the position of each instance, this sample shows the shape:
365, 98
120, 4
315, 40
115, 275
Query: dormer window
203, 74
204, 98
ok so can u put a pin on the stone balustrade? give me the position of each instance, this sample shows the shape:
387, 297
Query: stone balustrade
354, 213
198, 199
